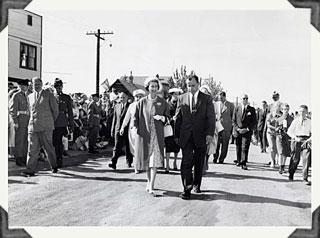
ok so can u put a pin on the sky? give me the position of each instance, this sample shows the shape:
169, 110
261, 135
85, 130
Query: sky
253, 52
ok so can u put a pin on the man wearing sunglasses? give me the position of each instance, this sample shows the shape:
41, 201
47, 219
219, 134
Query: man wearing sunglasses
243, 121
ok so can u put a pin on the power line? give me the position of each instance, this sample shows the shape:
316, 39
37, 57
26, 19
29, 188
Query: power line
98, 35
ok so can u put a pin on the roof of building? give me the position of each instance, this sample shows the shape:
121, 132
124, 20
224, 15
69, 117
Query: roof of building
138, 82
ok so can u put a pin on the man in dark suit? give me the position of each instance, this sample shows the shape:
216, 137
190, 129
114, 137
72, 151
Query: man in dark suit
43, 112
226, 113
261, 126
194, 129
20, 114
244, 120
120, 111
64, 120
94, 111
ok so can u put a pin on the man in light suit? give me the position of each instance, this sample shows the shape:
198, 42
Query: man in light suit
44, 111
20, 114
194, 129
120, 111
226, 113
244, 120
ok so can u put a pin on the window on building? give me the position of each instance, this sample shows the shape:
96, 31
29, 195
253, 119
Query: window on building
29, 20
28, 56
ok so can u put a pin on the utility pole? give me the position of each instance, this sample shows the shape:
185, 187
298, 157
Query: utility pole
98, 35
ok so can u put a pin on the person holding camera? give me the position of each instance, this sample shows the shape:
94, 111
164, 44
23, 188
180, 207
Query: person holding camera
282, 138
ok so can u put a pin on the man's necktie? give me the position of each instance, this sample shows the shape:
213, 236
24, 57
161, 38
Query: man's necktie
193, 105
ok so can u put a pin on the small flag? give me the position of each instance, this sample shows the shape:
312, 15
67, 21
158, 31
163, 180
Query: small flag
105, 84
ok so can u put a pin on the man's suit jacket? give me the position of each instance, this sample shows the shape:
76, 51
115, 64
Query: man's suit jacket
118, 117
44, 111
94, 114
261, 118
198, 124
65, 117
226, 113
19, 109
241, 120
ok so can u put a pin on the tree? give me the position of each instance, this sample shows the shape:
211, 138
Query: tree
214, 86
180, 81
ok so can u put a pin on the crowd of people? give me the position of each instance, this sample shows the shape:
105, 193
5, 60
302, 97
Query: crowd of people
158, 121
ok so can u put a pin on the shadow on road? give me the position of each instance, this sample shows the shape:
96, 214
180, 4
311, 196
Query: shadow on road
77, 176
12, 181
215, 195
241, 177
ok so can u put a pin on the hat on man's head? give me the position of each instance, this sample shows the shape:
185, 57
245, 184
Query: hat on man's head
275, 94
175, 90
138, 92
95, 95
164, 82
24, 82
57, 82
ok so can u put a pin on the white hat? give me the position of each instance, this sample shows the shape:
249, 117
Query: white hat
147, 81
175, 90
138, 91
206, 87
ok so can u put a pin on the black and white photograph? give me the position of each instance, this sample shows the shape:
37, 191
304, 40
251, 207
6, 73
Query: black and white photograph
160, 118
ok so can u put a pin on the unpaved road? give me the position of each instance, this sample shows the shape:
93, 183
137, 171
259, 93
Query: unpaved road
91, 194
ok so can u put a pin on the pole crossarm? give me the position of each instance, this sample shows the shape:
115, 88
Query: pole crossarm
98, 35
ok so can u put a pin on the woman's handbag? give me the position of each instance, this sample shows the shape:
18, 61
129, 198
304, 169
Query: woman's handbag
167, 130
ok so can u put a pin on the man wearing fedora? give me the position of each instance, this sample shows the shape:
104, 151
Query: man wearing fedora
20, 114
43, 113
64, 122
93, 122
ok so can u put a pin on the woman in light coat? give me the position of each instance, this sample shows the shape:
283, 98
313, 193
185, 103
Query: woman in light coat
129, 118
211, 148
150, 117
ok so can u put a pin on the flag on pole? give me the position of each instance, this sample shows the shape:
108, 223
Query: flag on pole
105, 84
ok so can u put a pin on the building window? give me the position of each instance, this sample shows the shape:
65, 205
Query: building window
29, 20
28, 56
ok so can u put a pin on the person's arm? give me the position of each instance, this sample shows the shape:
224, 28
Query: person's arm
127, 117
234, 119
177, 120
113, 125
291, 129
13, 110
211, 118
70, 114
53, 106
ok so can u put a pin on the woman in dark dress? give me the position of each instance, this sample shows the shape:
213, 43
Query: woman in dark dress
170, 144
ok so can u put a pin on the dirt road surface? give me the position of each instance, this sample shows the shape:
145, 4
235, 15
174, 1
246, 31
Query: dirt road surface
91, 194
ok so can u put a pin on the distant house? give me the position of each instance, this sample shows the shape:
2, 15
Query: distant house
130, 83
24, 45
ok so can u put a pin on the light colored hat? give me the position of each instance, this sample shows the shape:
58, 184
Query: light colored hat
206, 87
175, 90
149, 79
138, 91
